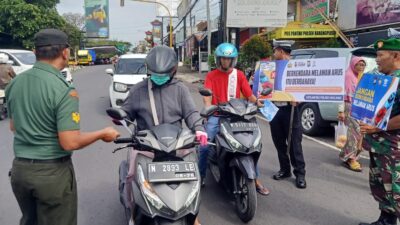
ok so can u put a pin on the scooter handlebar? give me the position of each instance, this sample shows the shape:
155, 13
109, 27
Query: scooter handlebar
123, 140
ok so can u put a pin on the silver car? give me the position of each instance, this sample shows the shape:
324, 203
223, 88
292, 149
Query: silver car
315, 116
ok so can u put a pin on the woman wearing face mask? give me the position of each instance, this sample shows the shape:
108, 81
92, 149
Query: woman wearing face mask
349, 152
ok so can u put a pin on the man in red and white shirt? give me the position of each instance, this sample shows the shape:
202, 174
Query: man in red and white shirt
226, 83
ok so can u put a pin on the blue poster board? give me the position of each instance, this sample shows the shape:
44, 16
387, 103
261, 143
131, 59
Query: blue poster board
373, 99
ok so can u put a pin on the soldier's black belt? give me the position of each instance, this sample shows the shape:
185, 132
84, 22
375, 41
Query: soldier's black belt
58, 160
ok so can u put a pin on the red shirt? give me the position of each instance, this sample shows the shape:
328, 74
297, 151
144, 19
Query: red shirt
217, 82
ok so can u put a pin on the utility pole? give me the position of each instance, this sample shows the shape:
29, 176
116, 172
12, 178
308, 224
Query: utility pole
208, 31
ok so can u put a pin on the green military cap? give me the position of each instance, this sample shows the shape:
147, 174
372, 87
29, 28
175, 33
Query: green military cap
48, 37
391, 44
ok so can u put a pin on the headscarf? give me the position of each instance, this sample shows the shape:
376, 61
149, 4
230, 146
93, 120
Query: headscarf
351, 78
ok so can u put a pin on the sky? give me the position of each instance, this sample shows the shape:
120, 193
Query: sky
128, 23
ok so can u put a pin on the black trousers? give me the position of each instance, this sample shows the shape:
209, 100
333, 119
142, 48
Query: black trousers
280, 131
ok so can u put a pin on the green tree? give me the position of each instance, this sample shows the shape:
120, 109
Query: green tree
253, 50
331, 43
22, 19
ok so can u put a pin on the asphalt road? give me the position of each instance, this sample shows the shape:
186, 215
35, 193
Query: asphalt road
334, 195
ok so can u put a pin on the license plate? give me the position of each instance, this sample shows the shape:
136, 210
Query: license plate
172, 171
242, 126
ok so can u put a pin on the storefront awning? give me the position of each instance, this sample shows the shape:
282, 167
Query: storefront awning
299, 30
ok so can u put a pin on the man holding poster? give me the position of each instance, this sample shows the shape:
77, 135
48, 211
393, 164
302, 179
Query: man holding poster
384, 145
291, 132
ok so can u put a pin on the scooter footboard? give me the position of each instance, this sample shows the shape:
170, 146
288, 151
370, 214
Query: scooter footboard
246, 165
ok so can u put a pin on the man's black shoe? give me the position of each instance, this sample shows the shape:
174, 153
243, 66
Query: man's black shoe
203, 181
282, 175
301, 182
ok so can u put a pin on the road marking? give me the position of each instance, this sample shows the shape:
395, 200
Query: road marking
331, 147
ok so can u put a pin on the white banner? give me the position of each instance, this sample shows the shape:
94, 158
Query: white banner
257, 13
172, 6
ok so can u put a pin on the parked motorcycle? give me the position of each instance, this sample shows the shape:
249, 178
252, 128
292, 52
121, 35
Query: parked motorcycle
3, 106
238, 147
159, 183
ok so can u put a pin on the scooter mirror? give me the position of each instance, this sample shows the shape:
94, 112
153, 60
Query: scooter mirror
205, 92
117, 114
266, 91
117, 122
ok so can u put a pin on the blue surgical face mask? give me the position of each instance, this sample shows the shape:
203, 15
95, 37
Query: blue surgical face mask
160, 79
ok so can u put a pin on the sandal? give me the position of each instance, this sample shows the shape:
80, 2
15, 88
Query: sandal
353, 165
261, 189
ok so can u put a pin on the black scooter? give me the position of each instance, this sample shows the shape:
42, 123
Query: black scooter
238, 148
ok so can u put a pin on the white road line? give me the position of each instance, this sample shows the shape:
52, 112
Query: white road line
331, 147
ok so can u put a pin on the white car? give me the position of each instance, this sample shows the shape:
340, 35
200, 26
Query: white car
129, 70
22, 60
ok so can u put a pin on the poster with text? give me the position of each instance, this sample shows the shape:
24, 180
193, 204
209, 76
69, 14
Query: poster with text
302, 80
373, 99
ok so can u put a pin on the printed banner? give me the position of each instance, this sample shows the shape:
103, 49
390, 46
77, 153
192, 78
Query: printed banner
373, 99
303, 80
310, 10
377, 12
97, 18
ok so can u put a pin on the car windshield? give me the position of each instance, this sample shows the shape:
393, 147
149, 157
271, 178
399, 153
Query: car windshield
27, 58
131, 66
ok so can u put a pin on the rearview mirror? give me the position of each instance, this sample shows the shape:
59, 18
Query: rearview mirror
206, 112
266, 91
205, 92
110, 71
117, 114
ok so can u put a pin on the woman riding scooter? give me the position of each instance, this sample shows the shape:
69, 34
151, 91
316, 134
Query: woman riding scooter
172, 99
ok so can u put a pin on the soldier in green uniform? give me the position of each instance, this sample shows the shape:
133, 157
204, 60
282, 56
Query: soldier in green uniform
384, 146
45, 120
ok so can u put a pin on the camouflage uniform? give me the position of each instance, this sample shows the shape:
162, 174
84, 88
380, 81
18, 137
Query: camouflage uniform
385, 164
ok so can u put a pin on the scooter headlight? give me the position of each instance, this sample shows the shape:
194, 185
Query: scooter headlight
148, 191
232, 141
192, 194
258, 138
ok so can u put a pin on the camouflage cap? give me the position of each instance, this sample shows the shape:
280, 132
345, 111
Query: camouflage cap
391, 44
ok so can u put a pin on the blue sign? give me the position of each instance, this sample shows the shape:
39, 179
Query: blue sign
373, 99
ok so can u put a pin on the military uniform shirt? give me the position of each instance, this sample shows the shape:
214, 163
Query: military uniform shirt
41, 104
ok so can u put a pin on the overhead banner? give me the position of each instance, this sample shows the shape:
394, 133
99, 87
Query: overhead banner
172, 6
373, 99
97, 18
298, 30
257, 13
377, 12
305, 80
310, 10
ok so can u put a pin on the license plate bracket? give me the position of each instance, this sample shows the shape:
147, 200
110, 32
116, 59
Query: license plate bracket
172, 172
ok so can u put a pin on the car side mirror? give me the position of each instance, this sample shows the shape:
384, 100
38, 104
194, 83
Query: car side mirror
205, 92
209, 111
117, 114
266, 91
10, 62
110, 72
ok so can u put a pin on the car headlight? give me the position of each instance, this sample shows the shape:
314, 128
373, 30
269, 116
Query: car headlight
192, 194
148, 191
258, 138
232, 141
120, 87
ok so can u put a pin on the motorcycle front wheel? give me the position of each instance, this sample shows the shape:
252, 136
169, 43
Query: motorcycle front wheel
246, 199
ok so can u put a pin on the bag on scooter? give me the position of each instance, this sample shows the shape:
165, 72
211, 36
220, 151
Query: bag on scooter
341, 135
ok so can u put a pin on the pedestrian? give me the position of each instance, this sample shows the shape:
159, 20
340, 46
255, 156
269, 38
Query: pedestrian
45, 120
383, 146
280, 126
225, 82
6, 71
172, 98
349, 153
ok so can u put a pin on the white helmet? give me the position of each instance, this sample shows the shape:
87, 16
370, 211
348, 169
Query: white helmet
3, 58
